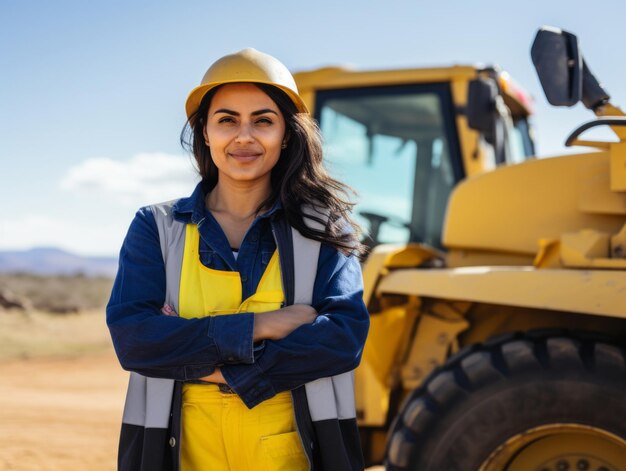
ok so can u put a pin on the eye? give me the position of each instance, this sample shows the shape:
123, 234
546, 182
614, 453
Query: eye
264, 120
226, 119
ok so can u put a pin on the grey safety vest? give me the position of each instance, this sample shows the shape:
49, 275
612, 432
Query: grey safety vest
148, 411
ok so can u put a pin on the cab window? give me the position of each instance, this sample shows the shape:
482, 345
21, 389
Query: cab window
396, 147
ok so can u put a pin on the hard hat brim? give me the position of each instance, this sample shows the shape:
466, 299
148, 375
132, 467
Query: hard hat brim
197, 94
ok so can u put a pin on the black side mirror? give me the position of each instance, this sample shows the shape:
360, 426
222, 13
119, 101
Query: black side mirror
559, 65
481, 106
483, 115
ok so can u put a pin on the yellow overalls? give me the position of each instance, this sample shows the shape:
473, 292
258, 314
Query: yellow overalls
219, 433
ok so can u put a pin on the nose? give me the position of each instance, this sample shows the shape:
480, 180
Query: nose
245, 133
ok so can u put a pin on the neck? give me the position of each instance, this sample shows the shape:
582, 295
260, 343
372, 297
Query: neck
237, 199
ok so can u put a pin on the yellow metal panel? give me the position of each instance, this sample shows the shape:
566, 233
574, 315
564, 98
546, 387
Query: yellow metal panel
585, 291
577, 249
594, 193
514, 207
386, 330
584, 249
411, 255
430, 346
393, 255
472, 258
338, 77
373, 267
389, 333
618, 166
549, 255
371, 397
610, 263
618, 244
344, 77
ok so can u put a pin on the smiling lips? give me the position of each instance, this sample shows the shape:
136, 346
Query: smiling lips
244, 155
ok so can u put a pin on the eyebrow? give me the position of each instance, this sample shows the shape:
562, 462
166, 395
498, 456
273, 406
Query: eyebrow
254, 113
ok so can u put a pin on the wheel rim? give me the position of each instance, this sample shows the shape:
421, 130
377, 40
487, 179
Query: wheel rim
559, 447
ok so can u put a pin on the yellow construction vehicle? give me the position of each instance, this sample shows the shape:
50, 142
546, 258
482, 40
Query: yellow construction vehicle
497, 295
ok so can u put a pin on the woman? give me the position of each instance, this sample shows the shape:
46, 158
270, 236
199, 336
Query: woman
239, 349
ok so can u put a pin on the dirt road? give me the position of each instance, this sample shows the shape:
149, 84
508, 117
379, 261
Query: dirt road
60, 414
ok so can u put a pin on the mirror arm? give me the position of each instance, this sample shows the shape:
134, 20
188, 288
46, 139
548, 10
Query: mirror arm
594, 95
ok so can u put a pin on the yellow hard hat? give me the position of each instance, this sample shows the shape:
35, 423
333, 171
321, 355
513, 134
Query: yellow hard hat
247, 65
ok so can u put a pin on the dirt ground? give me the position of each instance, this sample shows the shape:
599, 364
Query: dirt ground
61, 393
61, 413
61, 390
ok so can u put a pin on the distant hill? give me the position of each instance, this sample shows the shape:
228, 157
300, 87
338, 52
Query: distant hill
53, 261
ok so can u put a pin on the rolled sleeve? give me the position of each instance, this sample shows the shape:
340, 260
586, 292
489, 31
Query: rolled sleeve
233, 335
250, 382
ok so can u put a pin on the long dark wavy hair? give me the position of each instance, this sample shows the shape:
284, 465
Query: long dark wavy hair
298, 180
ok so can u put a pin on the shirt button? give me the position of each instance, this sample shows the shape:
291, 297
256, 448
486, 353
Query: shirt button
244, 278
255, 236
172, 442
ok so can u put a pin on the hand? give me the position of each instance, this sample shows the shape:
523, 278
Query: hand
215, 377
274, 325
168, 310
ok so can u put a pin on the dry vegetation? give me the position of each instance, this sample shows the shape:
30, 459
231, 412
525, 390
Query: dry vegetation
52, 316
57, 293
35, 334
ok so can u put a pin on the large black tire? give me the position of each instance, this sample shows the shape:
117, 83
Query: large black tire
489, 393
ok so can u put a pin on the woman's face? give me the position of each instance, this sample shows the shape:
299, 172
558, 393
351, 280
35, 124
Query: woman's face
244, 131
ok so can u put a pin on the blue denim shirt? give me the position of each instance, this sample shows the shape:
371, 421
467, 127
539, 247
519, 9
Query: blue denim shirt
157, 345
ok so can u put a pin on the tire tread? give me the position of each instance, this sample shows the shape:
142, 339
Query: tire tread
496, 360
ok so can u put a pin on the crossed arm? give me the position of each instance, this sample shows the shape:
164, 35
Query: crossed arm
301, 343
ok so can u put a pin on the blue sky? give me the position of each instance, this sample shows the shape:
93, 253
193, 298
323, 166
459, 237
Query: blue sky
93, 92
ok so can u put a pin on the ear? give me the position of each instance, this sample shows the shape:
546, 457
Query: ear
206, 136
286, 138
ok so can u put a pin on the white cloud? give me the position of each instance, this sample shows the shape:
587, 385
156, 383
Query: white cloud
145, 177
93, 185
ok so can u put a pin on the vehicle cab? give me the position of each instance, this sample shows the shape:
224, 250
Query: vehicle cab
402, 139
